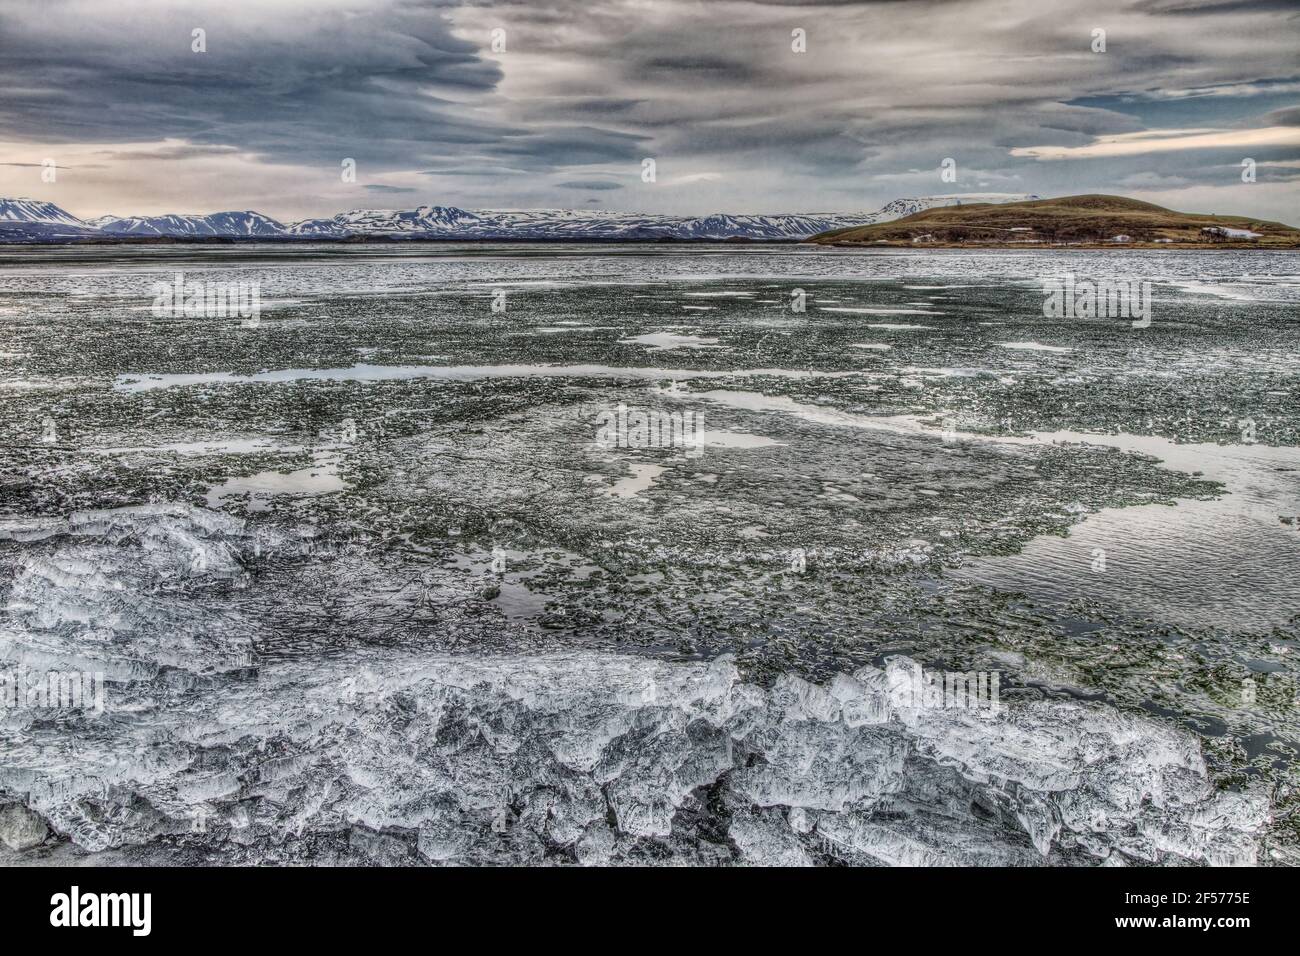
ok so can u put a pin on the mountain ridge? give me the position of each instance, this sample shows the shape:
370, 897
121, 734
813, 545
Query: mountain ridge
25, 220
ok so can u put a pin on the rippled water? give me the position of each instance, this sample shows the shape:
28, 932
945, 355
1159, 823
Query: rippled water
1232, 562
365, 586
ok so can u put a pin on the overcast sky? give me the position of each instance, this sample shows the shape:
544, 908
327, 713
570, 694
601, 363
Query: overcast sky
585, 90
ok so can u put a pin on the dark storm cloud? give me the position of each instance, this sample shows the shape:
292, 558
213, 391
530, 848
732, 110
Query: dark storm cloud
578, 145
884, 87
382, 82
734, 70
382, 188
307, 85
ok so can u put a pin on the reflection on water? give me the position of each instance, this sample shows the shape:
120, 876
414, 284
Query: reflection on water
1232, 562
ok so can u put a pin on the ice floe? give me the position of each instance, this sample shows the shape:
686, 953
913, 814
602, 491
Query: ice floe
598, 758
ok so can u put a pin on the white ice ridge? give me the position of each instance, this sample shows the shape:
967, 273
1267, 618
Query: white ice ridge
118, 591
598, 758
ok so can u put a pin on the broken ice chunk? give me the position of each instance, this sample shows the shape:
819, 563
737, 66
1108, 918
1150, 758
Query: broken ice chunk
20, 828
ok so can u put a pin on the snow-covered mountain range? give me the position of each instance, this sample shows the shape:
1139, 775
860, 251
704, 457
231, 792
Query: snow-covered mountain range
247, 223
30, 220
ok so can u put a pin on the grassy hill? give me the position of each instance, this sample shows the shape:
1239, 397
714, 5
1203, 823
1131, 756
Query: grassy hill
1093, 220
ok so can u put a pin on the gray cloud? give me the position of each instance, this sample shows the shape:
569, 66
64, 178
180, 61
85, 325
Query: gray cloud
178, 151
1288, 116
734, 117
381, 81
593, 185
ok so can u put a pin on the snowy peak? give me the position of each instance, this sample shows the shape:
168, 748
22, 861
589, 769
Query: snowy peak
34, 220
423, 220
36, 211
445, 215
246, 223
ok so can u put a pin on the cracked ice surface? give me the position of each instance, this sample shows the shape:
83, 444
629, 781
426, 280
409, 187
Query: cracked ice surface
602, 758
118, 590
385, 755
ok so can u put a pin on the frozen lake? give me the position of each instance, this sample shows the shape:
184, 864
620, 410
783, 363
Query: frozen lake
476, 553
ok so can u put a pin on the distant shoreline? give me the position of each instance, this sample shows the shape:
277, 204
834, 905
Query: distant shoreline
1066, 246
390, 240
295, 241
